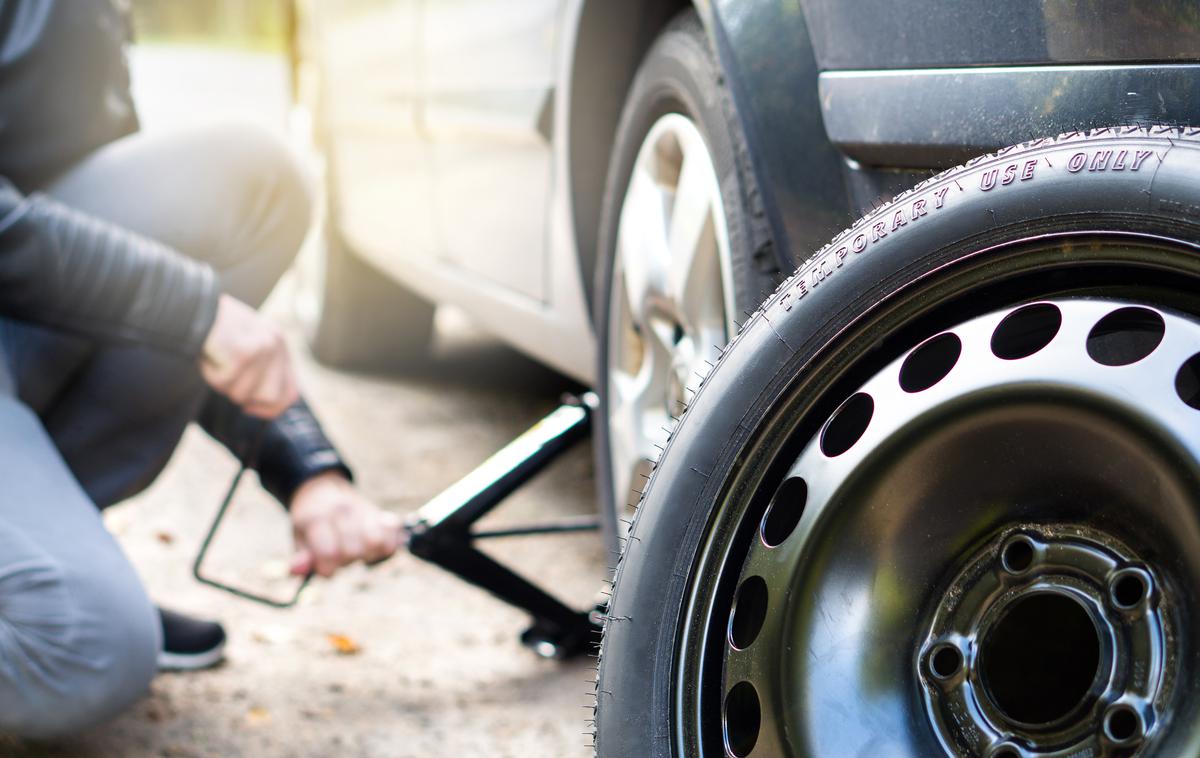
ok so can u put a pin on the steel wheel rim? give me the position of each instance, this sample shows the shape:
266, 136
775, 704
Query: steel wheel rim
702, 690
671, 299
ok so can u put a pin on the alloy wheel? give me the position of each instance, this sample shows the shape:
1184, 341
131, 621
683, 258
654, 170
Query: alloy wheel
671, 306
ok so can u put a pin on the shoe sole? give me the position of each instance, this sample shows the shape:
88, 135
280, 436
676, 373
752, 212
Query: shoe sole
190, 661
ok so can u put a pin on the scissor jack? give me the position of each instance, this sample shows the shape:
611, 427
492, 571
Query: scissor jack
442, 532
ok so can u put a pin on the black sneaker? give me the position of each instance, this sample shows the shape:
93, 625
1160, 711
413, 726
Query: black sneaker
189, 644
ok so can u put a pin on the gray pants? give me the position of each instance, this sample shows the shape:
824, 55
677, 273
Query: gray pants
84, 425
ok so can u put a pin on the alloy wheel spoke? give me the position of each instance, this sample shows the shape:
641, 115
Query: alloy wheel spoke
643, 243
633, 407
692, 246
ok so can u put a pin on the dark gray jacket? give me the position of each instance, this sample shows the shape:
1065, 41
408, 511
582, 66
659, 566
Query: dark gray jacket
64, 91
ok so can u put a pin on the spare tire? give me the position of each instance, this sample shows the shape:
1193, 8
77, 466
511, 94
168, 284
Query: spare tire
974, 410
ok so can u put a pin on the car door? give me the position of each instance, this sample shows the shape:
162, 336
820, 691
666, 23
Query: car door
488, 88
369, 112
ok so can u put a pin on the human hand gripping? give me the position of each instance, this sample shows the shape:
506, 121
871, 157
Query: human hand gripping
245, 358
334, 525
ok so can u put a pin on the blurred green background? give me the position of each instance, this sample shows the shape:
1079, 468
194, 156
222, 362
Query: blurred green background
260, 25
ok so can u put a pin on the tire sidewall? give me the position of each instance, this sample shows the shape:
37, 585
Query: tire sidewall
823, 301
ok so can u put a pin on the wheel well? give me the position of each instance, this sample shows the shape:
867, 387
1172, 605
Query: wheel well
617, 33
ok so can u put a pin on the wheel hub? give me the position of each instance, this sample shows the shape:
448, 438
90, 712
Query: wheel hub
1052, 638
991, 547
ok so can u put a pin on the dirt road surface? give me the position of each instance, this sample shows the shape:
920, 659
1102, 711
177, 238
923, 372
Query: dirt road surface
399, 660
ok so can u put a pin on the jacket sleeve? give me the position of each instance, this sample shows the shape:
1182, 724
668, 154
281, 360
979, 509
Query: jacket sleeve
62, 268
286, 451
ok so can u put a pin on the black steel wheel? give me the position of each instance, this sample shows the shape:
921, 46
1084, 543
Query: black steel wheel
942, 494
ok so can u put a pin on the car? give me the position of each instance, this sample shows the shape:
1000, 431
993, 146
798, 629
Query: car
468, 151
930, 488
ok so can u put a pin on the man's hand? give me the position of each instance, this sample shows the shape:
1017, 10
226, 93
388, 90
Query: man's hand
334, 525
245, 358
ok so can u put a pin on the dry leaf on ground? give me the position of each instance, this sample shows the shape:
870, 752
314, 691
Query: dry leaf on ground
343, 645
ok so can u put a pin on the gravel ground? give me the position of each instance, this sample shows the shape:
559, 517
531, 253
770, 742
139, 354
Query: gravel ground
418, 663
439, 670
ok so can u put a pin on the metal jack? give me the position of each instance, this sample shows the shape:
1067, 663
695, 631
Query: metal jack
442, 533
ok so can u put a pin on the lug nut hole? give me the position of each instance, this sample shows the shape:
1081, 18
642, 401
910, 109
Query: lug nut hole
1005, 750
1128, 589
945, 661
1017, 556
1122, 724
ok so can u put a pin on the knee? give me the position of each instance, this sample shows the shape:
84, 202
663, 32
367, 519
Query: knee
75, 650
275, 189
269, 197
281, 180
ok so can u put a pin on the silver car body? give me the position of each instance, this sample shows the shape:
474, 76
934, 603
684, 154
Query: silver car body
440, 124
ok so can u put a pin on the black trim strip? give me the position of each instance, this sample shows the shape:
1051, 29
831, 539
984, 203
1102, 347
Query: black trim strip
940, 117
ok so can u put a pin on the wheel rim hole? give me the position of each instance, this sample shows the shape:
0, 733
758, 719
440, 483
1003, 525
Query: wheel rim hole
848, 424
1128, 590
1040, 659
743, 718
677, 334
930, 362
1017, 556
946, 661
1125, 336
1121, 724
785, 511
749, 613
1187, 382
1025, 331
668, 160
1006, 751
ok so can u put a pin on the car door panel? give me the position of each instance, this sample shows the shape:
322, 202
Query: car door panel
378, 161
488, 80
